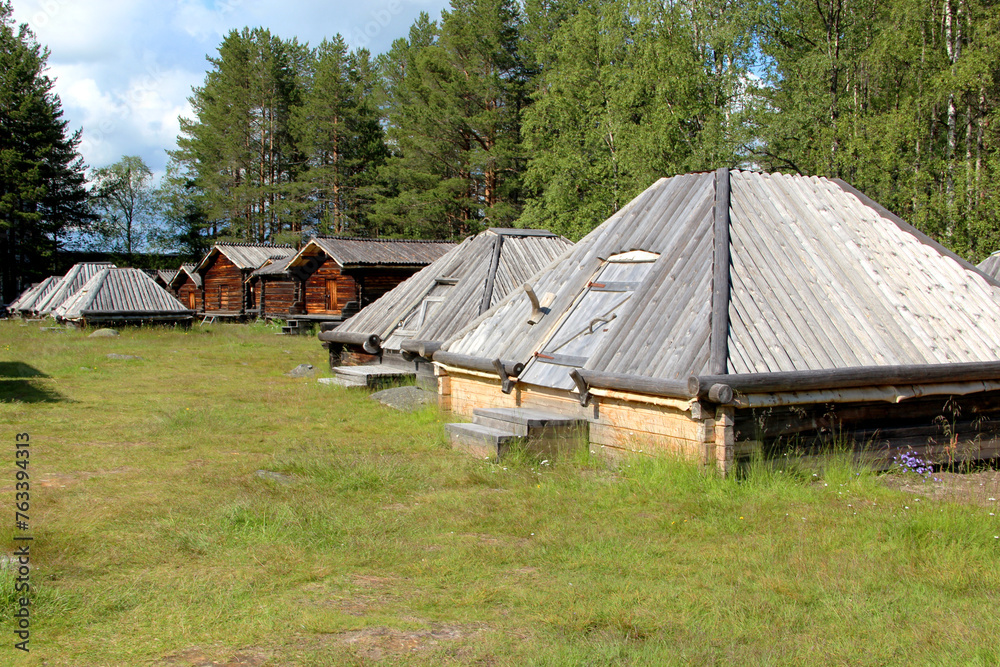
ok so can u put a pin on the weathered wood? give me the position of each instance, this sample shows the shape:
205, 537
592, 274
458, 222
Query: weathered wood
720, 393
720, 280
511, 368
369, 342
833, 378
638, 384
725, 439
910, 229
484, 305
421, 348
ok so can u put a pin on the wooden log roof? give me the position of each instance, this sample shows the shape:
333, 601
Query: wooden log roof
124, 293
26, 302
773, 274
245, 256
991, 265
69, 285
274, 268
350, 252
439, 300
186, 271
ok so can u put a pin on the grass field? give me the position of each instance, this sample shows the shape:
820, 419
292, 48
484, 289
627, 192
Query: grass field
158, 542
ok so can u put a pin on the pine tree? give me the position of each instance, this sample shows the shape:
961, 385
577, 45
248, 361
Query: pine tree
239, 149
454, 115
42, 194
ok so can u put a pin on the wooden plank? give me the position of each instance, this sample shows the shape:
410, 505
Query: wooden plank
719, 345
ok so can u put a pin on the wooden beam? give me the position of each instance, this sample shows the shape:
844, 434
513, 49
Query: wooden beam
370, 343
637, 384
512, 368
484, 305
719, 345
837, 378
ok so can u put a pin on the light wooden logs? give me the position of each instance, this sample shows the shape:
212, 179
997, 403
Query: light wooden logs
421, 348
512, 368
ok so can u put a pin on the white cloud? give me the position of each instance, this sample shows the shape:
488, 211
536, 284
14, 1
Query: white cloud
125, 68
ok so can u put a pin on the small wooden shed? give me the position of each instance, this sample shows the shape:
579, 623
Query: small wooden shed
163, 277
186, 286
225, 290
337, 276
414, 318
274, 289
722, 313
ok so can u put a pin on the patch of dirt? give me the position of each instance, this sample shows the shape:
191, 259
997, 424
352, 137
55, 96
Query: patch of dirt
61, 479
195, 657
975, 488
494, 541
382, 643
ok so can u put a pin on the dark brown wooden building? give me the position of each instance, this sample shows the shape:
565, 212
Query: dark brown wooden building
186, 286
336, 276
226, 290
274, 289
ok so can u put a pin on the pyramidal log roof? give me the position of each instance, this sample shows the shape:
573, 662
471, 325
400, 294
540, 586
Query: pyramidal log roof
435, 303
991, 265
69, 285
31, 296
759, 282
122, 294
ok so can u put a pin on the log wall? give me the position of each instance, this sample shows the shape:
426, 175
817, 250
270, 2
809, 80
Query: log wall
275, 297
184, 293
315, 289
223, 286
616, 425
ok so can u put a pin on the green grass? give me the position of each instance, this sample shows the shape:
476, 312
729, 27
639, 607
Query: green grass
157, 543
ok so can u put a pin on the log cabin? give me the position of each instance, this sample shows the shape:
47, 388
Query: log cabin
163, 277
337, 276
225, 290
186, 286
724, 314
274, 289
432, 305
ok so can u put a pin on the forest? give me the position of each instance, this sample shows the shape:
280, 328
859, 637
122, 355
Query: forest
554, 114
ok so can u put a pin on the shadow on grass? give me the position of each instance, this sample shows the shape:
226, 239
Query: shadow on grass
19, 369
28, 391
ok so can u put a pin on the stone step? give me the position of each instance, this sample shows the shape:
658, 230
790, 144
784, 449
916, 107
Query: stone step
480, 441
525, 421
373, 377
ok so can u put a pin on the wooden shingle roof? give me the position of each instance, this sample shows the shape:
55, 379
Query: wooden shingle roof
352, 252
439, 300
246, 256
744, 273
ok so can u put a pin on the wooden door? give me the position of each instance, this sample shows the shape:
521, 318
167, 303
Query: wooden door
191, 301
331, 295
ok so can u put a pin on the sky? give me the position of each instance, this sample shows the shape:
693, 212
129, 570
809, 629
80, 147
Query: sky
125, 68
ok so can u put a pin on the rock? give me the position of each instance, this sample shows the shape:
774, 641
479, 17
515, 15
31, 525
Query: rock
276, 477
302, 371
407, 399
124, 357
103, 333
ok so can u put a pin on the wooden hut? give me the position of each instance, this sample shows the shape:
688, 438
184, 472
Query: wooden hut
163, 277
722, 313
25, 303
69, 285
274, 289
224, 271
186, 286
337, 276
402, 328
122, 296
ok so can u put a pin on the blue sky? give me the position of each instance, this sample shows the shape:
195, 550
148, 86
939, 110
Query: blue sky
125, 68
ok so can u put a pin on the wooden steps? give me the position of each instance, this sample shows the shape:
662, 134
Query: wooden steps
494, 430
373, 377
